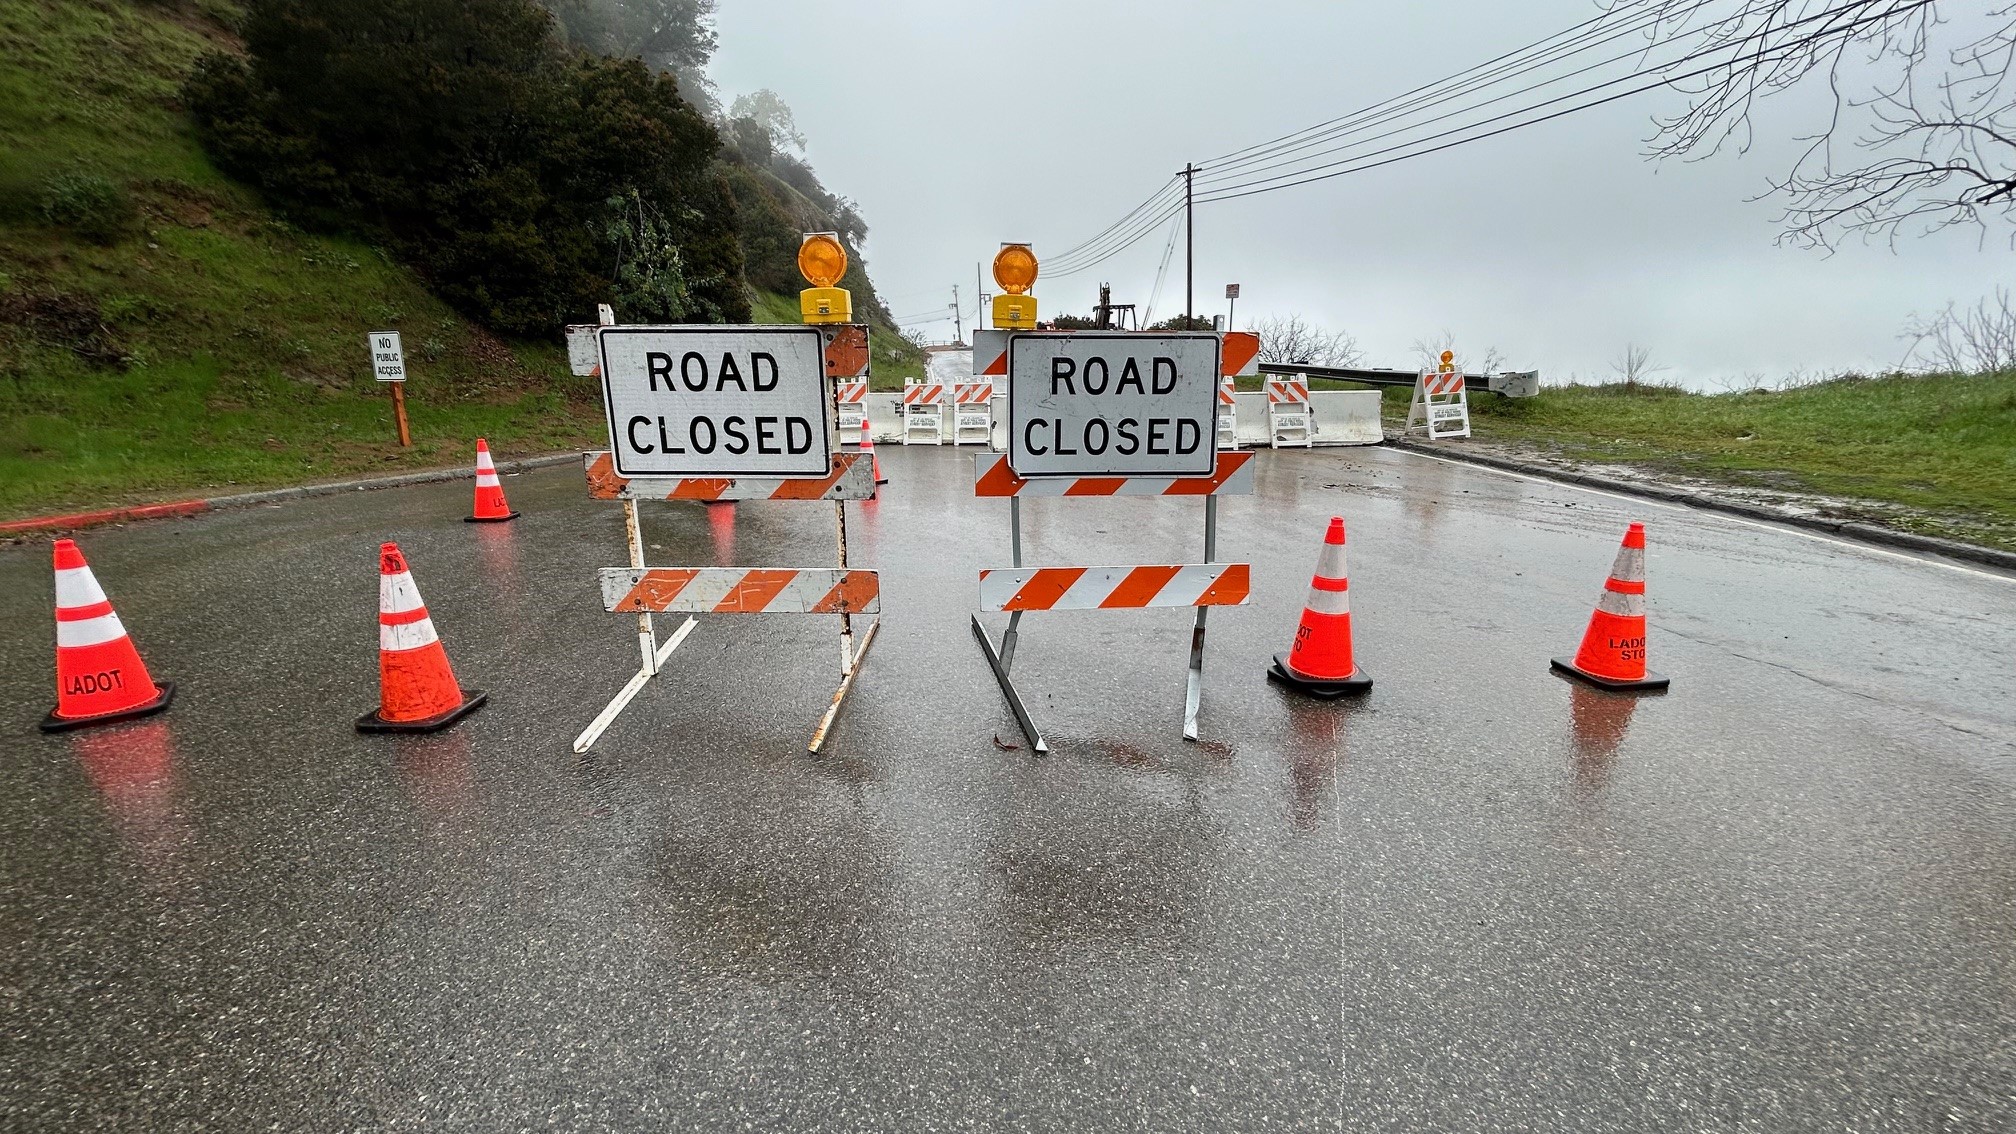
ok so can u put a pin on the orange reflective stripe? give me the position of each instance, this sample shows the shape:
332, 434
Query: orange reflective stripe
657, 588
1044, 588
1139, 588
854, 592
1095, 486
1229, 589
753, 593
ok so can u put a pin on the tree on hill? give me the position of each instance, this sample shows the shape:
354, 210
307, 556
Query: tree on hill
1292, 338
673, 36
527, 182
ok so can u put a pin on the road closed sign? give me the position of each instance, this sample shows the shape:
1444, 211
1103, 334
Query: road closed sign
716, 401
1092, 404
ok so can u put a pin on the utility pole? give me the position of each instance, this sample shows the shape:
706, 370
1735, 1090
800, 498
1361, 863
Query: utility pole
958, 332
1189, 248
1105, 309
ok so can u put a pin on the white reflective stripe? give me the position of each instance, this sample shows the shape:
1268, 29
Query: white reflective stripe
1095, 586
1630, 566
484, 463
90, 632
487, 480
397, 594
75, 587
1188, 586
407, 635
1329, 602
1330, 564
1616, 602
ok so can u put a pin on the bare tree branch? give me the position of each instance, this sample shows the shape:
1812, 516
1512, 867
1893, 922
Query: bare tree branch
1919, 132
1975, 340
1292, 338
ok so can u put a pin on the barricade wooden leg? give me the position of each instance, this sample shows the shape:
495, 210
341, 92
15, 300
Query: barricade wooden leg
840, 694
647, 637
622, 700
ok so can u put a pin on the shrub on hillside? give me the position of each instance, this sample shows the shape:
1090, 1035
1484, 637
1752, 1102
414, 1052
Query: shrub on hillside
486, 154
95, 208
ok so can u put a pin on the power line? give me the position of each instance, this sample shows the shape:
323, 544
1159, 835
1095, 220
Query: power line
1250, 170
1605, 28
1294, 155
1360, 163
1148, 217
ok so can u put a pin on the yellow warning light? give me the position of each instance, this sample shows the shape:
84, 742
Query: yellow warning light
822, 260
1448, 361
1015, 268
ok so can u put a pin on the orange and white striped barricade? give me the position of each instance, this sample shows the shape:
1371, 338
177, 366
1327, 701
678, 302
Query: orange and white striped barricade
1241, 358
1441, 403
853, 406
972, 412
717, 414
1094, 413
923, 411
1290, 420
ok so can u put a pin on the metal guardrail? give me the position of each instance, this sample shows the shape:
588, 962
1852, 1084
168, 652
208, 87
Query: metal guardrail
1510, 384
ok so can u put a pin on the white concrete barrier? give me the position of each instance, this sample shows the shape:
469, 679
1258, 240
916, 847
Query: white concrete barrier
1343, 417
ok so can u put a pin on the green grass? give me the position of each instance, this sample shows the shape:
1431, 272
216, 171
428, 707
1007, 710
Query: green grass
1936, 453
230, 350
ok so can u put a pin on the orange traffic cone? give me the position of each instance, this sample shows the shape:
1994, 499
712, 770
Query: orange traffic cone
417, 692
99, 675
1613, 649
490, 505
1320, 662
868, 447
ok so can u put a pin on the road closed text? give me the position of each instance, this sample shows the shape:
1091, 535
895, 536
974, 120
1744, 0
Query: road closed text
1091, 404
716, 402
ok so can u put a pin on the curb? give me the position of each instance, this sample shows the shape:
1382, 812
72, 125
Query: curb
1846, 529
75, 521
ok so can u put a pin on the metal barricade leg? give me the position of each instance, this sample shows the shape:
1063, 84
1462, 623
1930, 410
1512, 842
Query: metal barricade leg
1193, 693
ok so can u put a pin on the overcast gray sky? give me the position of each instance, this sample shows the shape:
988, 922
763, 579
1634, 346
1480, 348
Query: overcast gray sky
959, 126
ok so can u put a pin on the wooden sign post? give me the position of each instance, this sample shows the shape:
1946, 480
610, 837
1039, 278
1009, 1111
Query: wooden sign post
388, 364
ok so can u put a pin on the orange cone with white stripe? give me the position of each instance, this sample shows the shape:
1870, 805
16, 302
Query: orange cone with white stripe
417, 691
99, 675
490, 505
1320, 663
868, 447
1613, 648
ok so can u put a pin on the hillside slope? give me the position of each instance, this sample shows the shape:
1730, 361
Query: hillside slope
162, 333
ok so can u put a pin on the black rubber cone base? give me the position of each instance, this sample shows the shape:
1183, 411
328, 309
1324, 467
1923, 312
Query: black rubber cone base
472, 700
491, 519
164, 693
1317, 686
1651, 681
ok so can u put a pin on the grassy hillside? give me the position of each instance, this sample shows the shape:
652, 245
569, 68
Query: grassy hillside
1933, 454
162, 334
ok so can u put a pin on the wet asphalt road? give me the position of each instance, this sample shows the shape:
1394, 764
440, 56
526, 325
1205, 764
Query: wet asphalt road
1777, 899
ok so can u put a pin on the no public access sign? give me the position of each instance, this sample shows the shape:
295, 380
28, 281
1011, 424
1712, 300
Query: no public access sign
716, 401
1114, 404
388, 357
